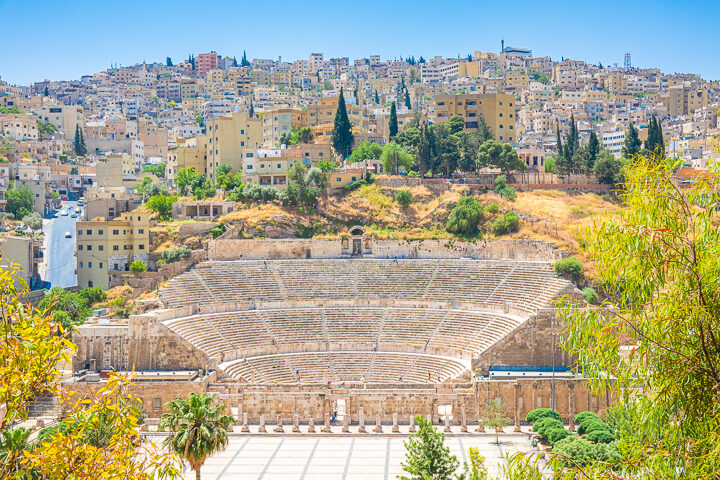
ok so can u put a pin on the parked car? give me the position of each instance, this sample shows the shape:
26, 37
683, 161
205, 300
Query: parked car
68, 235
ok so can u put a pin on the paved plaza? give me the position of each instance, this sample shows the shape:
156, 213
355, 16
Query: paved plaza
334, 456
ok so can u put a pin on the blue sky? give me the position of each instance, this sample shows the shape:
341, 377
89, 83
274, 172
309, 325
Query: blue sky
62, 40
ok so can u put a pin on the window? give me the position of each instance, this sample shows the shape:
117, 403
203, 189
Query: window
101, 247
81, 264
89, 247
80, 247
89, 232
141, 231
116, 248
142, 247
89, 264
279, 165
101, 266
116, 232
79, 232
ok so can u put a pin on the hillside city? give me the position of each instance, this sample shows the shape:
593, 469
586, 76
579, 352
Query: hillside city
381, 254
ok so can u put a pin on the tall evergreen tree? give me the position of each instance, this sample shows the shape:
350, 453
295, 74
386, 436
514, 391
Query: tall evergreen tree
377, 98
632, 143
342, 136
244, 62
593, 147
76, 141
560, 152
46, 92
572, 139
408, 105
393, 125
83, 148
168, 62
252, 109
235, 64
655, 142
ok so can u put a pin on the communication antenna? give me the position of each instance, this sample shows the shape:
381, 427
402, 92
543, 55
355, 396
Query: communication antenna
628, 63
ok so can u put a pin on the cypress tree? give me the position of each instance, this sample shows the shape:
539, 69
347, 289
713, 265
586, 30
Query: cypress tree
408, 105
572, 139
593, 148
46, 93
393, 128
168, 62
76, 141
661, 139
244, 62
83, 148
632, 142
252, 108
342, 136
235, 64
560, 152
377, 98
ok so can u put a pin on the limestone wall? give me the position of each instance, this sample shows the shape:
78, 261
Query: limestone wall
517, 396
142, 343
256, 249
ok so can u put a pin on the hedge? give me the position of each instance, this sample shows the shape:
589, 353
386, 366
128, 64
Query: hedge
545, 424
583, 416
592, 425
553, 435
601, 436
535, 415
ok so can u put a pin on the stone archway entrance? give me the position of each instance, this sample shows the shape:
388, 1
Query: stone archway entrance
356, 243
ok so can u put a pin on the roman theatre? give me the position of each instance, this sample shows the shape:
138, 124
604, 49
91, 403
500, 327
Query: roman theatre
354, 327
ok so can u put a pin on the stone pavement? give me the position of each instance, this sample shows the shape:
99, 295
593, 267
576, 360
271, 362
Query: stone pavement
339, 456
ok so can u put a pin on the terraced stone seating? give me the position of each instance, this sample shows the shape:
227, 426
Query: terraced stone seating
525, 285
345, 366
464, 333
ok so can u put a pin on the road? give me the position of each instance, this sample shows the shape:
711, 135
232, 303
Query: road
59, 267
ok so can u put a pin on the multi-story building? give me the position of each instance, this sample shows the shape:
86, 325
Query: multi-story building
276, 122
498, 111
18, 127
227, 137
24, 253
206, 62
190, 154
104, 246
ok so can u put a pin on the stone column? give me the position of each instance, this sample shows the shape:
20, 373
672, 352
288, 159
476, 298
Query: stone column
311, 425
245, 428
447, 424
346, 423
296, 423
395, 428
378, 427
361, 420
261, 429
463, 425
481, 426
326, 427
517, 407
279, 427
412, 424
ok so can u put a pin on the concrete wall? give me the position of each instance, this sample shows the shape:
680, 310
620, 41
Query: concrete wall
257, 249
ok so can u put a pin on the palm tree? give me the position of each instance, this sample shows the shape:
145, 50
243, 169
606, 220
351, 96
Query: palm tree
197, 428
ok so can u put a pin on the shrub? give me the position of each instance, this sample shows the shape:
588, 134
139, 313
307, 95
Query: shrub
554, 435
355, 185
508, 223
173, 254
570, 266
493, 208
584, 416
580, 452
545, 424
93, 295
218, 230
592, 425
138, 266
404, 197
590, 295
464, 218
535, 415
601, 436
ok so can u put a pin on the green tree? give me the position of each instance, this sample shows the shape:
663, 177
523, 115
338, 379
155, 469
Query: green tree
591, 154
507, 223
394, 156
33, 220
499, 155
456, 124
657, 262
393, 123
366, 151
188, 178
655, 143
465, 217
494, 418
168, 62
138, 266
162, 205
157, 170
19, 201
607, 168
408, 105
427, 456
342, 136
244, 62
570, 267
329, 165
198, 429
404, 197
632, 144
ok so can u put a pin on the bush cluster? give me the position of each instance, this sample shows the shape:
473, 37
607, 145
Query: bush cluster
173, 254
570, 266
464, 218
507, 223
404, 197
70, 308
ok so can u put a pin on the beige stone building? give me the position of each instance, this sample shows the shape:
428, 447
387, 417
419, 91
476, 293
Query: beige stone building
104, 246
24, 253
498, 111
190, 154
228, 136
